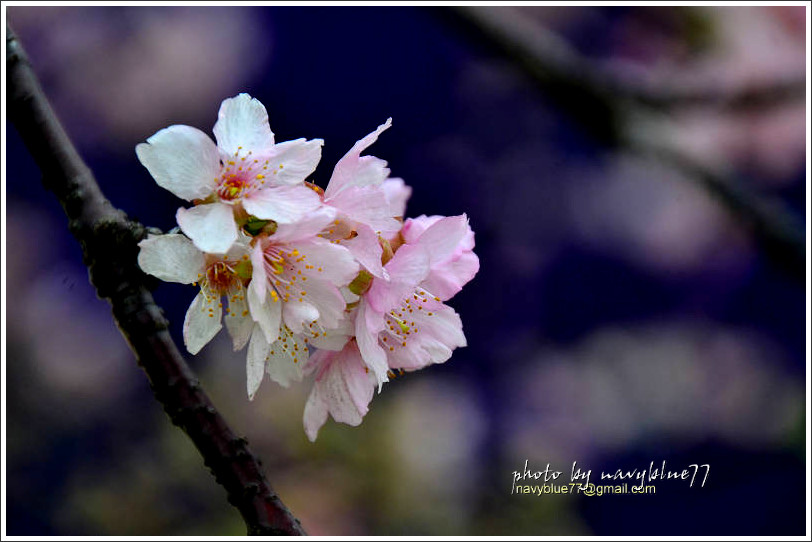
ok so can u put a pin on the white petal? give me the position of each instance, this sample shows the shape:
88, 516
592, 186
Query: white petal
238, 320
286, 358
352, 170
243, 122
202, 322
182, 160
265, 312
171, 257
292, 161
211, 227
284, 204
255, 361
298, 314
258, 276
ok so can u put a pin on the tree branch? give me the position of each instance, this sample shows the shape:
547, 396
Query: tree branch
109, 244
605, 106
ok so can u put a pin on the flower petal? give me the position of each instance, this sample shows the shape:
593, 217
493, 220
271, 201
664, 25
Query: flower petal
171, 257
286, 358
443, 237
305, 229
238, 320
284, 204
211, 227
368, 205
343, 388
327, 300
182, 160
298, 314
315, 413
407, 269
448, 278
335, 261
397, 194
353, 170
242, 126
367, 250
255, 361
202, 322
266, 313
368, 324
292, 161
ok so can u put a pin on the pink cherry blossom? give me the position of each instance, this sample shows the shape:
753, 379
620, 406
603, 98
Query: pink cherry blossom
399, 323
450, 244
296, 278
343, 388
246, 172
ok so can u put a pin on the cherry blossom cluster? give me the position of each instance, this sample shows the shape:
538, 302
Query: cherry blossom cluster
331, 283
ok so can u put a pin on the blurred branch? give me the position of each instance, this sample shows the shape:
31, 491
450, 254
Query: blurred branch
605, 106
742, 100
109, 244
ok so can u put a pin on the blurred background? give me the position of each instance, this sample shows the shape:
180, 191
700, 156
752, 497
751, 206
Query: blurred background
637, 189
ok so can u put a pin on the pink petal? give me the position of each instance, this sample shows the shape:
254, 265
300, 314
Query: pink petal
407, 269
448, 278
443, 237
367, 250
182, 160
368, 205
397, 194
352, 170
413, 228
331, 262
211, 227
307, 228
315, 413
368, 324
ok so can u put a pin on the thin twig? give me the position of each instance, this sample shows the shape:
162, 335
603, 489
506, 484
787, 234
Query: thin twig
605, 106
109, 244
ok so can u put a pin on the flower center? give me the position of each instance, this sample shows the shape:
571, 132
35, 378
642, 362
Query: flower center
232, 187
283, 267
242, 174
402, 322
221, 278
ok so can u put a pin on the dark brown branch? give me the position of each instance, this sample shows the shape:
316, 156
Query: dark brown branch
109, 244
605, 107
